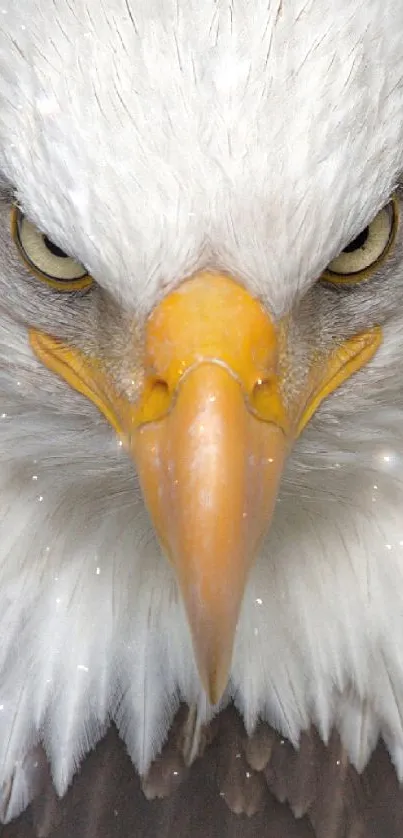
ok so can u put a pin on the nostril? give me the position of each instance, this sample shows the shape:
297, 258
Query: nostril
160, 388
157, 401
261, 394
266, 401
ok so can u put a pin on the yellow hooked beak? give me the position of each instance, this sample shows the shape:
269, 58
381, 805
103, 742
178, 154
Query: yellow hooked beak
209, 434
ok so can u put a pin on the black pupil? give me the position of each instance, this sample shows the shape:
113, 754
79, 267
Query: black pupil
54, 249
358, 242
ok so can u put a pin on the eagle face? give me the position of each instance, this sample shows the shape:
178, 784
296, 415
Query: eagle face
200, 335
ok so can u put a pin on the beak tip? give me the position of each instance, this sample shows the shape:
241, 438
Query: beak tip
214, 694
214, 682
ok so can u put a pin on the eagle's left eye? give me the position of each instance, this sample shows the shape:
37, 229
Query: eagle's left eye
361, 258
44, 259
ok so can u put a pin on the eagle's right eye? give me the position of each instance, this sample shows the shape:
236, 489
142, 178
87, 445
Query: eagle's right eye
45, 259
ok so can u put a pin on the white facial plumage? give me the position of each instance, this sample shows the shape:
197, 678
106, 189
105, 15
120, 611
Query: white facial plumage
149, 139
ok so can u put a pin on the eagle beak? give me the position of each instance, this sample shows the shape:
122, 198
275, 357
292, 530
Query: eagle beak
210, 471
209, 434
209, 446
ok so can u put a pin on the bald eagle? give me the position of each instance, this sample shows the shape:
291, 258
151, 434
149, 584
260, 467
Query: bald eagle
201, 402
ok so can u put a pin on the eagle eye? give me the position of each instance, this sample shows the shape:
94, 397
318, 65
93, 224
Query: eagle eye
366, 252
45, 259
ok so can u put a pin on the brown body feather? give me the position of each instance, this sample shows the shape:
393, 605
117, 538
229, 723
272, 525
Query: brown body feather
237, 787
